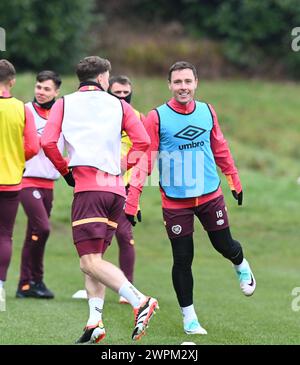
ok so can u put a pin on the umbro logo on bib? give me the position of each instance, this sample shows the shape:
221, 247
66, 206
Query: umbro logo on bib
190, 133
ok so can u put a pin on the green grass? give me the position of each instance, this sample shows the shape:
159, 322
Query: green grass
261, 123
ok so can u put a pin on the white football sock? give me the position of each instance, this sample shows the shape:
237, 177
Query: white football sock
188, 313
244, 265
2, 299
134, 297
96, 307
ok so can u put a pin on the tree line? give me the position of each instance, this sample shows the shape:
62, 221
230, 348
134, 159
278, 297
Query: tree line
252, 33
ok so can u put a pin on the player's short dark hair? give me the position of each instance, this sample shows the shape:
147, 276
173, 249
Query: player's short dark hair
49, 75
90, 67
182, 65
120, 79
7, 71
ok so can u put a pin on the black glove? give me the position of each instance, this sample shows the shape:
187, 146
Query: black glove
131, 219
139, 216
69, 179
238, 196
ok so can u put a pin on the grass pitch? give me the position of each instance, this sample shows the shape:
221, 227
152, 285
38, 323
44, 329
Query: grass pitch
261, 123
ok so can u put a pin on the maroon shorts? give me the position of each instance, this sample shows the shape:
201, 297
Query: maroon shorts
212, 215
123, 232
94, 216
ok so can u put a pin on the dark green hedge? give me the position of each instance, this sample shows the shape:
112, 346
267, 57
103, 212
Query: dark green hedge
45, 34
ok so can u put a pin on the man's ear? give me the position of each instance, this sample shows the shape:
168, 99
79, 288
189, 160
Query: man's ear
99, 78
11, 82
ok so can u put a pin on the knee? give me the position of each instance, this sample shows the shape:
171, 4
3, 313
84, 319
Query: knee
183, 252
123, 237
232, 249
225, 244
125, 244
183, 261
88, 262
42, 232
83, 266
45, 229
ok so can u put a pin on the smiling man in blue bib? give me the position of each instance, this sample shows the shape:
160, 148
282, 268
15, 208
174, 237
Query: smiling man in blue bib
187, 139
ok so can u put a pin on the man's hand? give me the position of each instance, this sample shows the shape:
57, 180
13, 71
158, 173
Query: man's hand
238, 196
131, 219
131, 207
69, 178
235, 187
139, 215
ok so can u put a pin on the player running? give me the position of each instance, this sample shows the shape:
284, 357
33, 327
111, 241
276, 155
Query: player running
187, 135
91, 121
